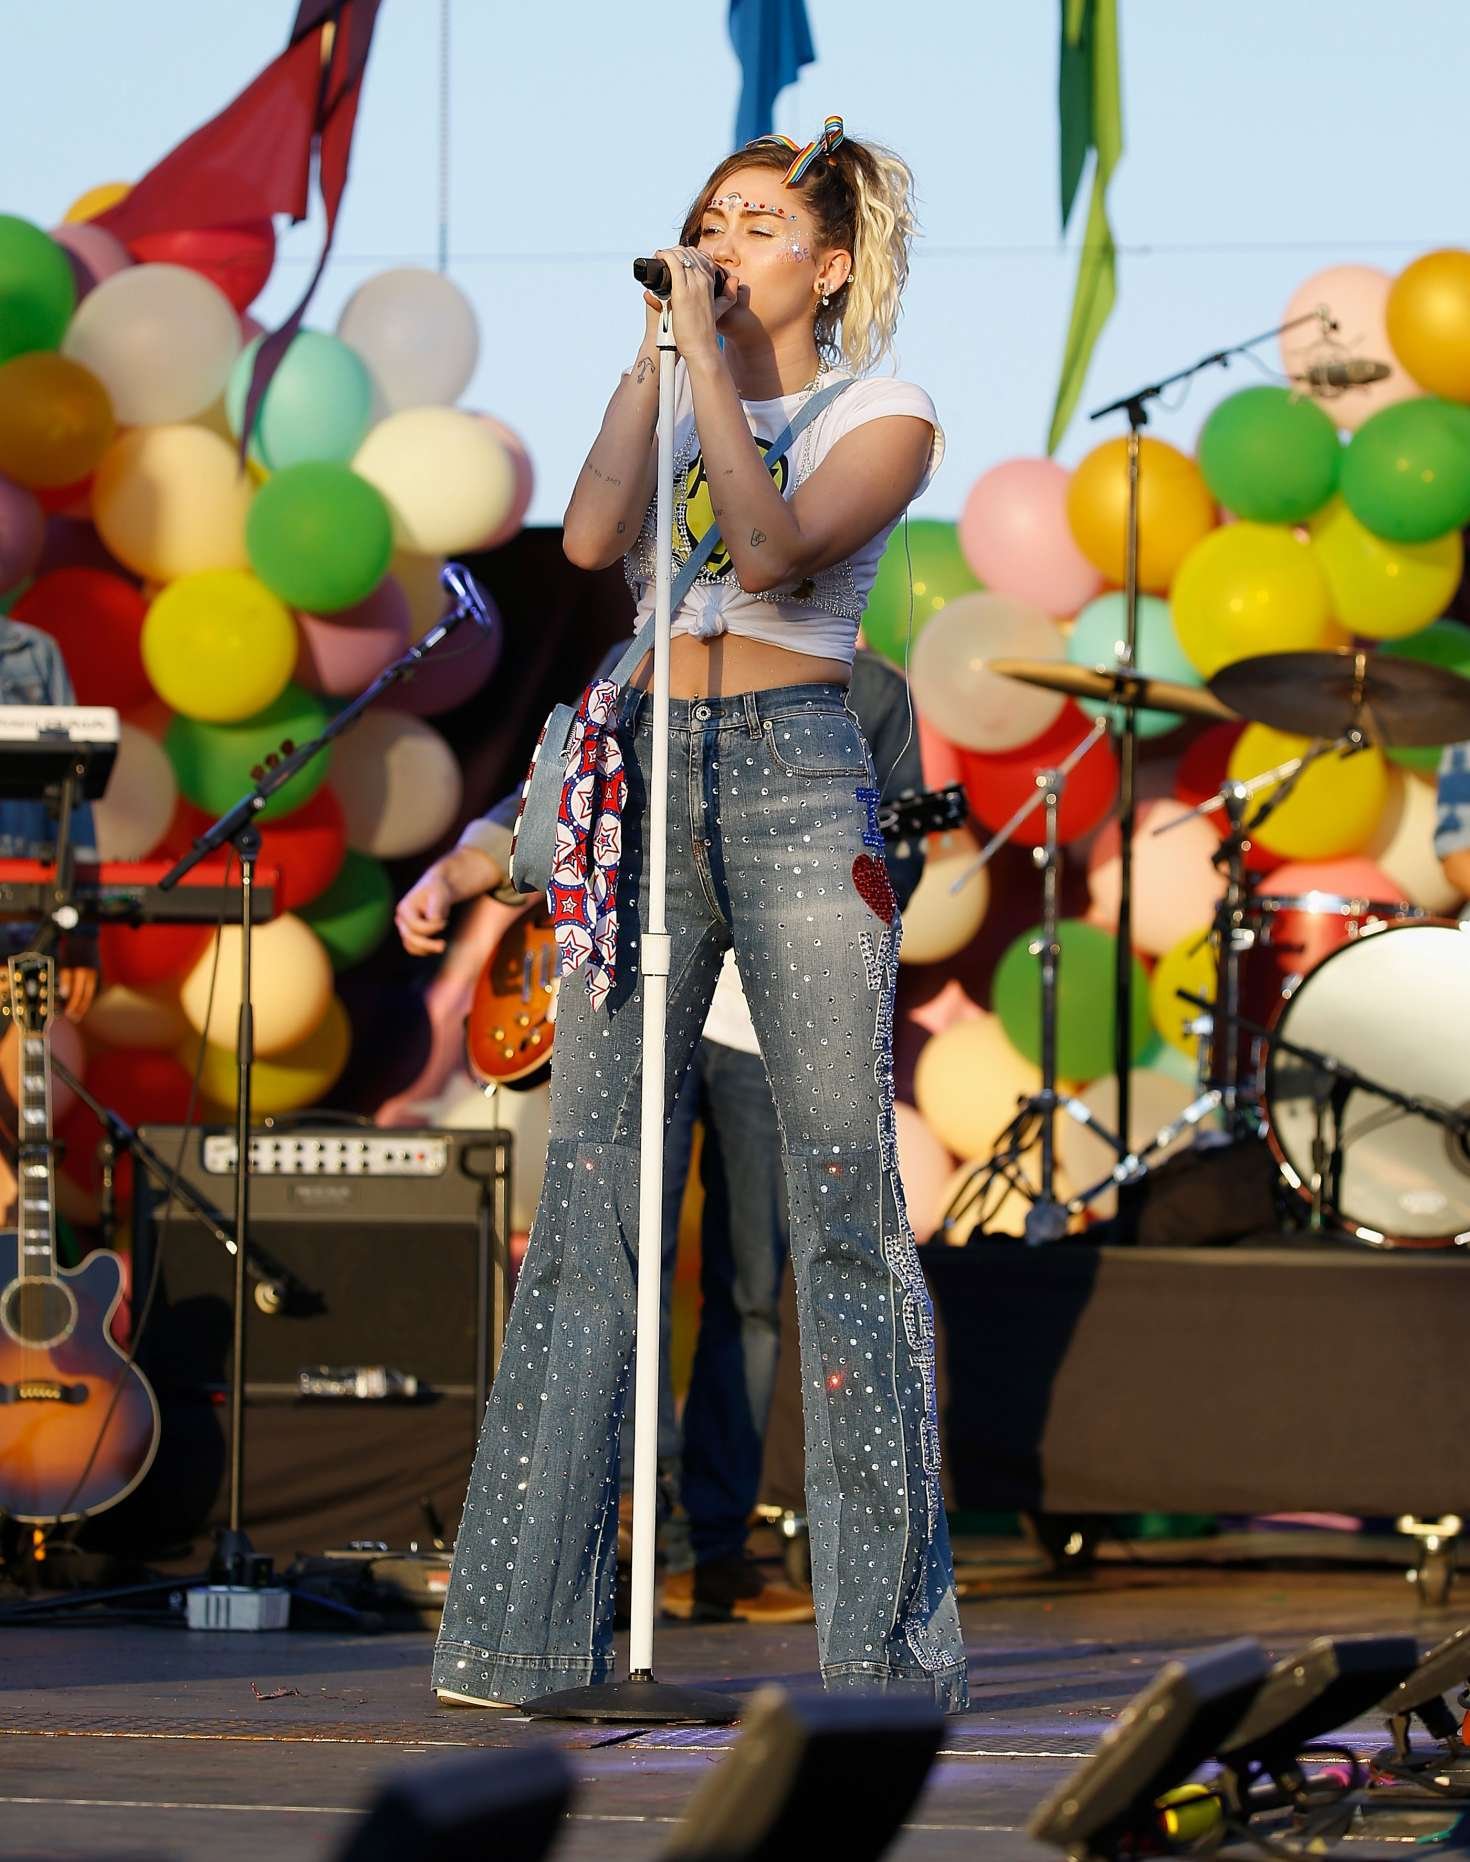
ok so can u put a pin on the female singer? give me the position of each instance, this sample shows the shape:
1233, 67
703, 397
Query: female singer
773, 848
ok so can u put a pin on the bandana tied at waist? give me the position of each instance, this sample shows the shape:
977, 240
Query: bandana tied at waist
582, 893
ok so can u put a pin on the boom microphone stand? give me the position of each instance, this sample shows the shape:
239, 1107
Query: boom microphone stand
641, 1698
234, 1560
1135, 406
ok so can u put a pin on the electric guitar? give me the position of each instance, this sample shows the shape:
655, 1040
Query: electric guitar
78, 1423
508, 1033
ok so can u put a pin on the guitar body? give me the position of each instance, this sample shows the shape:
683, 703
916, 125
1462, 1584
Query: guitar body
59, 1367
508, 1032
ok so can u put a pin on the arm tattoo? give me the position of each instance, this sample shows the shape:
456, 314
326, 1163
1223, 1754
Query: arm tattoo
606, 477
644, 370
621, 528
757, 537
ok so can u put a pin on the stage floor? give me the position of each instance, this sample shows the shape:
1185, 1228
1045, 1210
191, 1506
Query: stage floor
142, 1741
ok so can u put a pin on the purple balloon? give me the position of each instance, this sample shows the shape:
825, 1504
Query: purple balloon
454, 671
94, 253
72, 543
22, 533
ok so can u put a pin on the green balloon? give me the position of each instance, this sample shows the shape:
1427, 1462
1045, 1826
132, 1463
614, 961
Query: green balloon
1406, 472
1270, 456
318, 406
351, 916
38, 289
319, 536
1084, 1000
924, 555
1093, 642
213, 761
1442, 643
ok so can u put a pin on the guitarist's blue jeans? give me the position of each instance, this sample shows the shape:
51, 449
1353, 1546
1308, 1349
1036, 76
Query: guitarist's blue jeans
774, 847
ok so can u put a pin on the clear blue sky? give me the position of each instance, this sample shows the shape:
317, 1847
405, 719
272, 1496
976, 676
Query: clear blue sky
1265, 140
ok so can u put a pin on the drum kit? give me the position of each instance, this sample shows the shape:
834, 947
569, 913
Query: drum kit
1334, 1030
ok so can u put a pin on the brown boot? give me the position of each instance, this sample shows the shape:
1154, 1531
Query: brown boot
733, 1590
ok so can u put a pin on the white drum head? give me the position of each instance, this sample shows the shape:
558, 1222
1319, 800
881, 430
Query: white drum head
1394, 1005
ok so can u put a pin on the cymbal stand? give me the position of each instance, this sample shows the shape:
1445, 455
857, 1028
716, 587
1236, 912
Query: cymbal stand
1035, 1120
1135, 406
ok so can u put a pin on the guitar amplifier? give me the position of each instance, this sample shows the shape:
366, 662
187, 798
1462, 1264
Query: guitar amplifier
367, 1248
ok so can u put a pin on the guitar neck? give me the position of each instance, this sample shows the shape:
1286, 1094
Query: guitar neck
35, 1168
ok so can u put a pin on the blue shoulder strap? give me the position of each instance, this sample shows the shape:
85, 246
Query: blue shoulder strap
803, 417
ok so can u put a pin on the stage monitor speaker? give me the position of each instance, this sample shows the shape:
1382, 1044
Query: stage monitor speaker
823, 1773
508, 1805
368, 1249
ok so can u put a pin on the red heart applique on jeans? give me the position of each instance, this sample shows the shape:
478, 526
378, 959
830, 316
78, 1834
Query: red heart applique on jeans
870, 876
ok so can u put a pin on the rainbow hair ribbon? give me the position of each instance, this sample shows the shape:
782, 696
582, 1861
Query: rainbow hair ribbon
832, 135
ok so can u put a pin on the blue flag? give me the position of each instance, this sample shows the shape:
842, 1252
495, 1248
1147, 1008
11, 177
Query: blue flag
773, 41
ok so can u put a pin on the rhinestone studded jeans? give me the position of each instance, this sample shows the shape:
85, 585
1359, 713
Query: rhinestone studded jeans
774, 847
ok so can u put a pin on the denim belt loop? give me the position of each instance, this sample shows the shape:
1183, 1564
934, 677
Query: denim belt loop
752, 715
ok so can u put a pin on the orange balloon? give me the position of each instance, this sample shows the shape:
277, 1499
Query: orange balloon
1429, 322
1175, 510
55, 420
97, 200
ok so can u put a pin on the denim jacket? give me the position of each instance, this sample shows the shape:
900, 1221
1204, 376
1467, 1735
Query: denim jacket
32, 672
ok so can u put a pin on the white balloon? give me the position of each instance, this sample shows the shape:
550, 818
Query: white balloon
291, 986
464, 1106
1154, 1101
924, 1167
160, 338
955, 689
1403, 843
936, 921
1004, 1213
133, 815
399, 784
446, 476
417, 333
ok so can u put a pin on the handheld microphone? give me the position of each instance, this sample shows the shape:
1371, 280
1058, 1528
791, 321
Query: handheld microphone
653, 275
1355, 372
466, 592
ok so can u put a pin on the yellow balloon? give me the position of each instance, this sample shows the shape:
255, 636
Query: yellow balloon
1189, 965
1429, 321
967, 1081
1380, 589
299, 1076
1248, 589
936, 921
55, 420
97, 200
219, 645
1175, 510
1334, 806
446, 476
1004, 1217
170, 501
123, 1016
291, 985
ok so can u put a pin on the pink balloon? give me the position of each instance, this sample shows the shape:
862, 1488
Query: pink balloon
454, 671
1014, 533
1355, 296
938, 757
525, 481
1175, 884
340, 653
925, 1168
1351, 878
22, 533
93, 252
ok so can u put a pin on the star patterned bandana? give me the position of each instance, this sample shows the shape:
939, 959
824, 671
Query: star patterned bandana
582, 894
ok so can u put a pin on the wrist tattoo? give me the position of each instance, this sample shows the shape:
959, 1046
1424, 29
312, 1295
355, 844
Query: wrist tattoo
644, 369
757, 537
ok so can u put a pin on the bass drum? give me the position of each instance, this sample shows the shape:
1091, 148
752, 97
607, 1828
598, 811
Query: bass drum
1394, 1005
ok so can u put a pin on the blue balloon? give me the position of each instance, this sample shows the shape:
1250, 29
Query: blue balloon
1157, 653
319, 404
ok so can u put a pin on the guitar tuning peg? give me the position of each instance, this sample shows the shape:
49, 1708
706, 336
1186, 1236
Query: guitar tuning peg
288, 748
257, 774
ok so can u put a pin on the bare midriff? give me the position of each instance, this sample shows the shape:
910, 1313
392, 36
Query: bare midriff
731, 663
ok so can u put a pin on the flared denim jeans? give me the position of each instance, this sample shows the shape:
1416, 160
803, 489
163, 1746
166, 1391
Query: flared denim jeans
774, 848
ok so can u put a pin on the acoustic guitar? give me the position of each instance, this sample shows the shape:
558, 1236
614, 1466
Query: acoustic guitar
78, 1423
512, 1018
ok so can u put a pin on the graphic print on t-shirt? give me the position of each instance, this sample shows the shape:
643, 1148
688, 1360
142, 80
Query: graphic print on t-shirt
698, 511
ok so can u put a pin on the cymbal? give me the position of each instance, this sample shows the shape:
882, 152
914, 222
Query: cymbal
1113, 685
1395, 702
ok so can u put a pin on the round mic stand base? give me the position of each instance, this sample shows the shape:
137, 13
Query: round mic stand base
640, 1701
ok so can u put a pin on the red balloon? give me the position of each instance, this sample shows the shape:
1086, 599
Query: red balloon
998, 784
73, 500
145, 954
236, 258
307, 847
97, 620
139, 1084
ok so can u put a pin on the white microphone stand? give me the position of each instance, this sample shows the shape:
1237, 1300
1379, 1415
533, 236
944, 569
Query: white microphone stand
641, 1698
